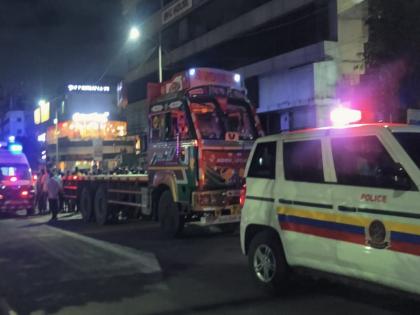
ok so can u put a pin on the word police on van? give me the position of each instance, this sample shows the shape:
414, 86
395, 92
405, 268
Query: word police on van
341, 200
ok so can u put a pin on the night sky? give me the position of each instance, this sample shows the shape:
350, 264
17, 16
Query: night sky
46, 44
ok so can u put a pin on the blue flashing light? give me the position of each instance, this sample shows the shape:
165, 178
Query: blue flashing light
15, 148
192, 72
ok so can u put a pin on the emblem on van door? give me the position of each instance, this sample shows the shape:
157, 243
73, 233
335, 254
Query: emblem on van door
377, 235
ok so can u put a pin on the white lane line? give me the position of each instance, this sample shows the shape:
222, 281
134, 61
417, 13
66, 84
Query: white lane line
147, 260
5, 309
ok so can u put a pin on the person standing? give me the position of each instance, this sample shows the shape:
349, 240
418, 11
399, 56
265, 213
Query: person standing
53, 189
44, 191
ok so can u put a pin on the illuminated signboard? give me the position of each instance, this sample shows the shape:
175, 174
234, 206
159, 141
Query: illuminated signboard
91, 118
42, 137
88, 88
42, 113
37, 116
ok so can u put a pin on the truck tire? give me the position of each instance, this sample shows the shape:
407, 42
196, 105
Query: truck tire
170, 220
86, 205
101, 206
267, 262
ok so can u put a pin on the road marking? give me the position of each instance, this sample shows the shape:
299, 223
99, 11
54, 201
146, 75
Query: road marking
145, 260
5, 308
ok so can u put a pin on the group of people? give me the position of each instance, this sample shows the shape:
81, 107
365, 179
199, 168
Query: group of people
49, 192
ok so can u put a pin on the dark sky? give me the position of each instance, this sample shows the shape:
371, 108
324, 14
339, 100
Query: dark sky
46, 44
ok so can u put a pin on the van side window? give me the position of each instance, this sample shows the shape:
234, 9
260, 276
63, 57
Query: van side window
302, 161
362, 161
263, 164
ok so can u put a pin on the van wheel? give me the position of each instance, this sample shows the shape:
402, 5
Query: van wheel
267, 262
101, 206
170, 220
30, 212
86, 205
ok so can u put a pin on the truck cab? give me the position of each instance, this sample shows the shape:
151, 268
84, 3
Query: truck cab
202, 128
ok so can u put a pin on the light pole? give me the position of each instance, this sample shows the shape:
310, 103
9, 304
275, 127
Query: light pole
135, 34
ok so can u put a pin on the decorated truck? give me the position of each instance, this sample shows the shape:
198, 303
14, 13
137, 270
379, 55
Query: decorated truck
201, 129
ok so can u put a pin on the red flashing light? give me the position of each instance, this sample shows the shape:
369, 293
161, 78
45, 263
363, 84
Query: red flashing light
13, 179
344, 116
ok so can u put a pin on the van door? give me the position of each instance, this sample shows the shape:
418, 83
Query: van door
374, 210
304, 204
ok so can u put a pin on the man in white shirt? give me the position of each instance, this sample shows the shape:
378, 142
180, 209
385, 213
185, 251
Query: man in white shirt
53, 188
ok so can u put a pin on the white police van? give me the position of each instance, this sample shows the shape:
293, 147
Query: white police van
341, 200
16, 186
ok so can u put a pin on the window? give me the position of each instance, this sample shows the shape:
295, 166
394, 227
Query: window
157, 129
207, 120
178, 127
263, 164
409, 141
363, 161
20, 171
303, 161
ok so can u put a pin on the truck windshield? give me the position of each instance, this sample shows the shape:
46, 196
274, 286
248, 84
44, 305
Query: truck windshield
238, 120
409, 141
207, 121
213, 123
20, 171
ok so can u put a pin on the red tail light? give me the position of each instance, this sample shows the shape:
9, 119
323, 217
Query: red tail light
24, 193
75, 177
242, 196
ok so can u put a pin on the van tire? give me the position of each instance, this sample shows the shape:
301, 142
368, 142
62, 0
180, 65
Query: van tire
86, 205
267, 262
170, 220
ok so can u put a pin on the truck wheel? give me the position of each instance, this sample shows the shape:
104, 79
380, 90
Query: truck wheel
86, 206
171, 222
267, 262
101, 206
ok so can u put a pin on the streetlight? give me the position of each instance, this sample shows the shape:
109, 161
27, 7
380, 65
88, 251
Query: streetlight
135, 34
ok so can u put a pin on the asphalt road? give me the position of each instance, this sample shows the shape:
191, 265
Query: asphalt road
74, 268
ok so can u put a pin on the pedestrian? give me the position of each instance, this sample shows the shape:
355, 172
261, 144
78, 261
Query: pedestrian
53, 188
44, 191
58, 178
38, 190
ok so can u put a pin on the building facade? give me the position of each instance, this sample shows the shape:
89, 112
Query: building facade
295, 56
14, 124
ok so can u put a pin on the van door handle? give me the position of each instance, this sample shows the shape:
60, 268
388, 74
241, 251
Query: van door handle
347, 209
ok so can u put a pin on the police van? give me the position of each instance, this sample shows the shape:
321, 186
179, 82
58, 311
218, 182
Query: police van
339, 200
16, 186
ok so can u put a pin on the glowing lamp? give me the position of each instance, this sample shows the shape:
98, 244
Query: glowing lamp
13, 179
237, 78
344, 116
192, 72
12, 139
24, 193
15, 148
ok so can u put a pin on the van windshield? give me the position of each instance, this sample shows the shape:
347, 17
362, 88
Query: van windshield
20, 171
410, 143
